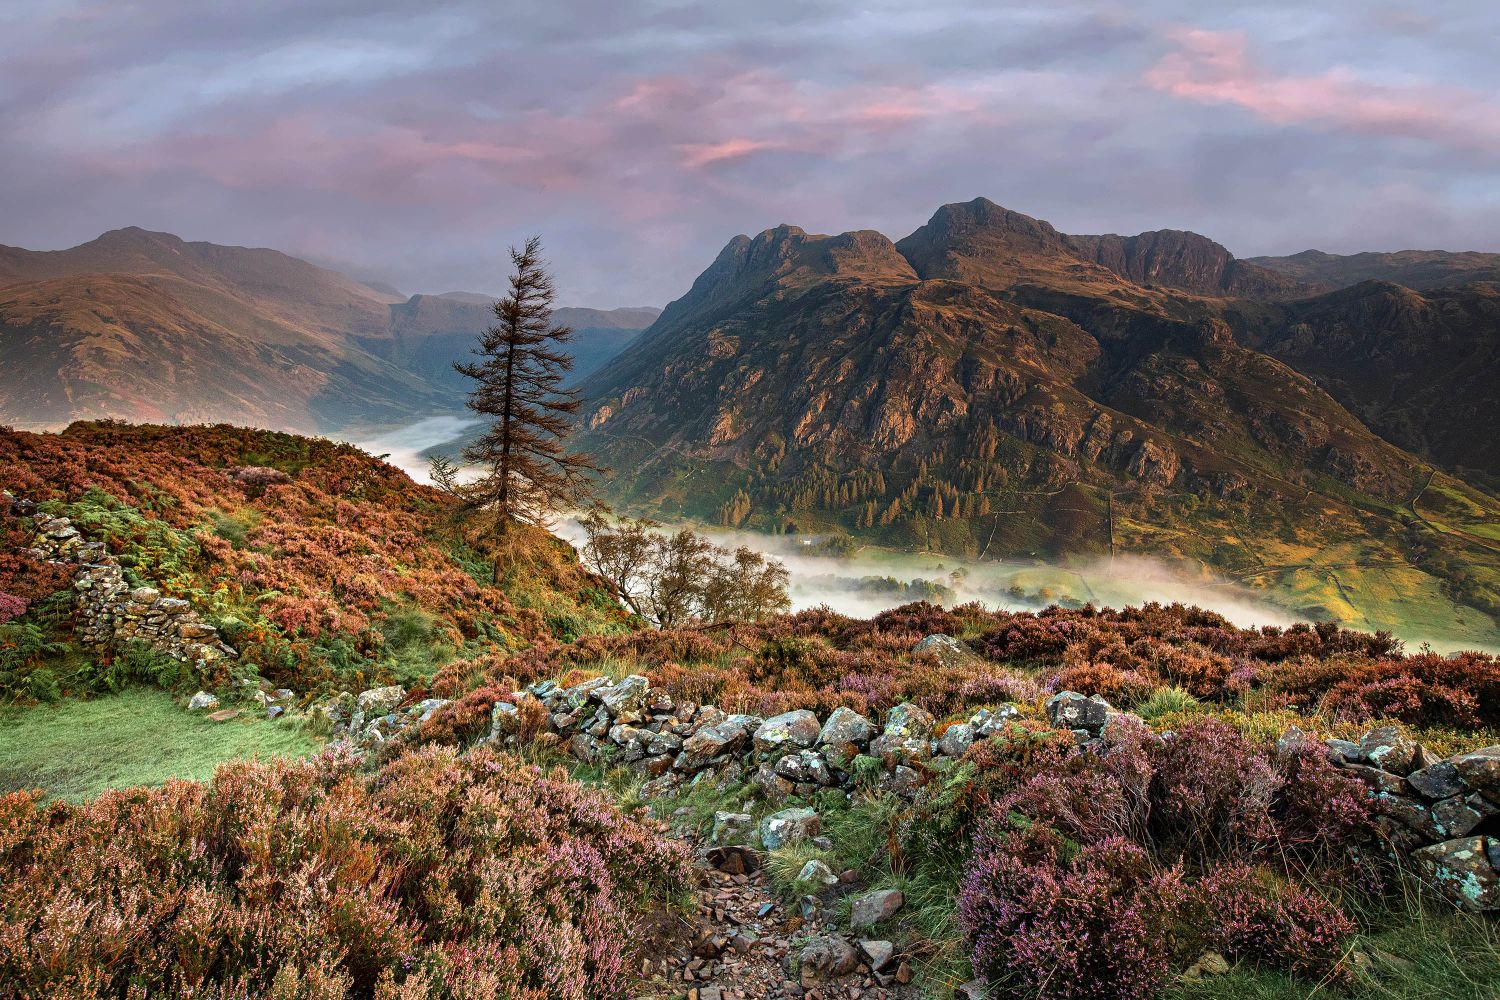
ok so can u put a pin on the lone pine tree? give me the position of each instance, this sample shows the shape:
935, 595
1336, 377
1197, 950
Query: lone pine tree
529, 471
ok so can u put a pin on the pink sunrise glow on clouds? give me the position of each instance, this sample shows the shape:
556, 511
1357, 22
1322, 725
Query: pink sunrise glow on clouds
418, 140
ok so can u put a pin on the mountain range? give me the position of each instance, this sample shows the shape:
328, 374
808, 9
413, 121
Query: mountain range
990, 386
139, 325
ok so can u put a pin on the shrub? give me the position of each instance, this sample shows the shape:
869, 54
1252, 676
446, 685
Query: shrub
11, 607
1248, 912
438, 876
1043, 924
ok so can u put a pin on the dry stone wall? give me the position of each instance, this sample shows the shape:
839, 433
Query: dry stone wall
110, 611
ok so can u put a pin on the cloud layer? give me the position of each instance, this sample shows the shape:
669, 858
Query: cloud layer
415, 141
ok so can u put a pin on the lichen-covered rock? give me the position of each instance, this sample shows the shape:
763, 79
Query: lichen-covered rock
1071, 710
987, 722
948, 651
625, 701
956, 740
1391, 750
787, 731
844, 726
1462, 871
713, 741
1458, 816
1436, 781
806, 766
202, 701
789, 826
907, 735
1480, 770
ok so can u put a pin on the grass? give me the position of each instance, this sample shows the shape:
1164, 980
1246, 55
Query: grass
76, 749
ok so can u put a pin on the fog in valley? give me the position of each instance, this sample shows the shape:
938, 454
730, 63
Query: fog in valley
869, 580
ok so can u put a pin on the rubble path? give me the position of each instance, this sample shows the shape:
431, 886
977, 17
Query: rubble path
743, 941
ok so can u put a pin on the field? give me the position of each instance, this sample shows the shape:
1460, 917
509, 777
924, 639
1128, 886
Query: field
75, 749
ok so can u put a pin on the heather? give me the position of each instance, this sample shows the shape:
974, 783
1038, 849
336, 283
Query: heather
323, 567
439, 875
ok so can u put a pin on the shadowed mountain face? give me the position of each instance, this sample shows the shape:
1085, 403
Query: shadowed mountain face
990, 386
144, 326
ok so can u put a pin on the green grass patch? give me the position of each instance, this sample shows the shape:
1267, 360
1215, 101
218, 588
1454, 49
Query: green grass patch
75, 749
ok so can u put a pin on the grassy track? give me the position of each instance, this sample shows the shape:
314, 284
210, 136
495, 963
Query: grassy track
76, 749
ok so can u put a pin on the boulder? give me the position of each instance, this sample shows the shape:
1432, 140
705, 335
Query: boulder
826, 957
789, 826
1462, 871
787, 731
625, 701
845, 725
1480, 770
710, 742
875, 907
907, 734
1071, 710
202, 701
1391, 750
948, 651
805, 766
974, 989
956, 740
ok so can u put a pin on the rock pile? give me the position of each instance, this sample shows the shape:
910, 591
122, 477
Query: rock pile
1444, 814
111, 612
370, 718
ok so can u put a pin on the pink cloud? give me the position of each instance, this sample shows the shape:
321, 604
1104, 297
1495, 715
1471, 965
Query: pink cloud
704, 154
1214, 67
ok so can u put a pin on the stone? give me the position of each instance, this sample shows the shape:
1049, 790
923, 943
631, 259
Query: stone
202, 701
272, 711
956, 740
736, 859
380, 701
819, 872
1389, 749
907, 734
1480, 770
805, 766
789, 730
878, 954
1071, 710
505, 720
1410, 813
875, 907
845, 725
145, 595
789, 826
974, 989
712, 741
774, 787
948, 651
626, 700
899, 780
224, 715
1436, 781
827, 956
1380, 781
1458, 816
987, 722
1210, 963
1461, 870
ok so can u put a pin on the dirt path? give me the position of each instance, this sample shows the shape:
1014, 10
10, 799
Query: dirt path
743, 942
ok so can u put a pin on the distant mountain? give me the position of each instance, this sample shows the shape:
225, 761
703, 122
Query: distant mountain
139, 325
987, 386
430, 332
1418, 269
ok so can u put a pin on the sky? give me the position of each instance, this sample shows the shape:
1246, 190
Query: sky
413, 142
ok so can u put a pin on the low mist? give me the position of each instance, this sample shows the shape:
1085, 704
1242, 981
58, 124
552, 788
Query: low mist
870, 580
